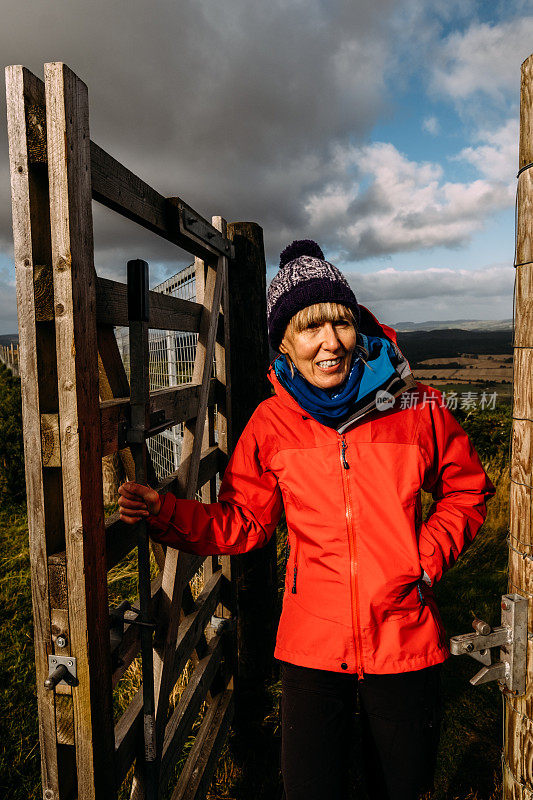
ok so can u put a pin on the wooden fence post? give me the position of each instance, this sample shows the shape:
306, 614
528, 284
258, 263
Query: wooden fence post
255, 571
74, 278
31, 236
518, 745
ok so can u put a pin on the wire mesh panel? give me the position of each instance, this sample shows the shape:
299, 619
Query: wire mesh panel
172, 355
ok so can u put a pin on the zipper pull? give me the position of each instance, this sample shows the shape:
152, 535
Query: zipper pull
344, 461
293, 590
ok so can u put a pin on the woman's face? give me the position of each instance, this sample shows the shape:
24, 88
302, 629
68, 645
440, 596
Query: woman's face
322, 353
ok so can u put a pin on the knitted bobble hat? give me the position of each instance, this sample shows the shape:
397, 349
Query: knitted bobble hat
304, 278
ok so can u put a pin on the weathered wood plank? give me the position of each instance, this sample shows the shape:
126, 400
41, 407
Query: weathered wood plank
50, 442
67, 122
118, 188
189, 632
65, 718
31, 236
224, 427
166, 312
178, 404
183, 717
223, 358
116, 385
196, 775
254, 571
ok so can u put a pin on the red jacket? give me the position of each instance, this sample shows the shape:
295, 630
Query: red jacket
354, 600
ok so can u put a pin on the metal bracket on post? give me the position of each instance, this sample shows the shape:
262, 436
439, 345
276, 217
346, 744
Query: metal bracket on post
192, 224
61, 669
510, 637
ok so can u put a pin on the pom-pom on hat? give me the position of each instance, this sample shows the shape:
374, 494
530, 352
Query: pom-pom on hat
304, 278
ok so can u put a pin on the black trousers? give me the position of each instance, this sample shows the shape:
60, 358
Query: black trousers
400, 725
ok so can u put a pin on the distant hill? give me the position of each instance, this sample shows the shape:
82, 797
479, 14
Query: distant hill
462, 324
420, 345
7, 338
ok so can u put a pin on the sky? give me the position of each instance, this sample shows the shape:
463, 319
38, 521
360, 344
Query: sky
386, 131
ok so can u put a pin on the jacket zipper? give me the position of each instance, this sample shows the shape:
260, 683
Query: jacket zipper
353, 559
295, 569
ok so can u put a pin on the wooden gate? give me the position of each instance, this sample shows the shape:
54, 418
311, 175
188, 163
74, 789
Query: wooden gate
76, 408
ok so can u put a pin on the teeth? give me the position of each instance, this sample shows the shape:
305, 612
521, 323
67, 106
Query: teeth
331, 363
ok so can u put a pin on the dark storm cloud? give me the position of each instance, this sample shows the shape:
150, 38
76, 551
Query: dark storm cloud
233, 106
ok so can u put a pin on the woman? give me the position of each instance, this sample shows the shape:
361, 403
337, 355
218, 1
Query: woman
345, 449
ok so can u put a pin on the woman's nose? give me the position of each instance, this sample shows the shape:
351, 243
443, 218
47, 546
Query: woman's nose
330, 338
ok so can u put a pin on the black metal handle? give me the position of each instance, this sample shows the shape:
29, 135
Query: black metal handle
59, 674
138, 296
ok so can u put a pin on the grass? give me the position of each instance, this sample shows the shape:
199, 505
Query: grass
469, 761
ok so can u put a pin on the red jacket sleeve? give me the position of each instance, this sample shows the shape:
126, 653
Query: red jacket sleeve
460, 489
247, 512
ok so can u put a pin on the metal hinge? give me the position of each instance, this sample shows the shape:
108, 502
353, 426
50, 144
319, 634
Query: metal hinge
511, 637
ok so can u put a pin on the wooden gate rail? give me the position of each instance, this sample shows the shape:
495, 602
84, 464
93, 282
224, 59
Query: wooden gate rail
76, 411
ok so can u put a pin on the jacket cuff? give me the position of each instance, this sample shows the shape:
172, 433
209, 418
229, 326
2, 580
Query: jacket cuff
160, 522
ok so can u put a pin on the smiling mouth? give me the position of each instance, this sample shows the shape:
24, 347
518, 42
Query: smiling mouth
330, 363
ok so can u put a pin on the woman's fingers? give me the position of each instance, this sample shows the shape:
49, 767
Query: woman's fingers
133, 512
132, 516
129, 520
136, 495
125, 502
135, 490
131, 490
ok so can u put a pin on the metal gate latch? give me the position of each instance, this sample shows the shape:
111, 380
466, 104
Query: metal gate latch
61, 669
510, 637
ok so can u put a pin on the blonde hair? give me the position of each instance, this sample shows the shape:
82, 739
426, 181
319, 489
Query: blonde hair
318, 314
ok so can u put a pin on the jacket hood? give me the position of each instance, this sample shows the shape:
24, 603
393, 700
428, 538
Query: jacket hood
372, 327
403, 380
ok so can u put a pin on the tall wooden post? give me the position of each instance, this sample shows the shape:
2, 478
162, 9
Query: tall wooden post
74, 281
33, 257
518, 745
255, 571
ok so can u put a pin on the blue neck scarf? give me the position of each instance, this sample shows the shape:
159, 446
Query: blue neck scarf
331, 406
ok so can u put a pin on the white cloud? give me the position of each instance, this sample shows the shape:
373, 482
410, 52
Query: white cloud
423, 284
497, 158
431, 125
485, 58
429, 294
385, 203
